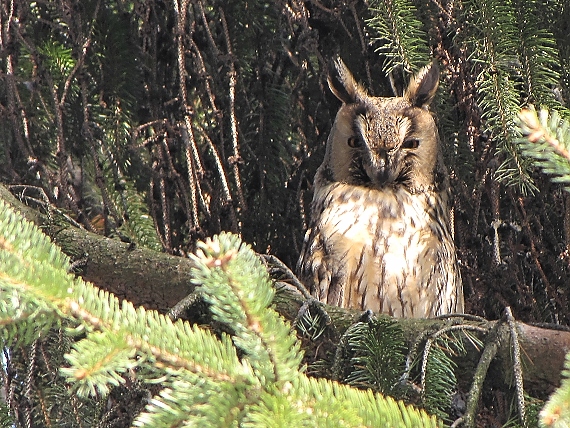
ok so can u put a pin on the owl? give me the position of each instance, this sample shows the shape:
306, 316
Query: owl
380, 236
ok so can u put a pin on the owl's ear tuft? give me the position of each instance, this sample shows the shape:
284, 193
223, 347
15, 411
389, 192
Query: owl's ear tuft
342, 83
423, 86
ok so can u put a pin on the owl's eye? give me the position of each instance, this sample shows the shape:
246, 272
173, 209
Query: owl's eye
354, 142
412, 143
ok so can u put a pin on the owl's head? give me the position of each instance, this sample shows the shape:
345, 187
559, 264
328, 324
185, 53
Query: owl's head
383, 141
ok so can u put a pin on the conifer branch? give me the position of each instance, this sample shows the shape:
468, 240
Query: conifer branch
493, 39
400, 34
546, 140
204, 380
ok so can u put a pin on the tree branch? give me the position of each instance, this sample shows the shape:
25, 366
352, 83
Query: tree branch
144, 277
159, 281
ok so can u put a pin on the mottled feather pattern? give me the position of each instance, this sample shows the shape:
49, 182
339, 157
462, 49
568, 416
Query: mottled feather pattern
380, 236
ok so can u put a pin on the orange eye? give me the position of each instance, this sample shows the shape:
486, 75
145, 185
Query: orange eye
354, 142
412, 143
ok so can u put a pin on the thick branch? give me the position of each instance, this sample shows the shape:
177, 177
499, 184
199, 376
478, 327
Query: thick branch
144, 277
158, 281
543, 349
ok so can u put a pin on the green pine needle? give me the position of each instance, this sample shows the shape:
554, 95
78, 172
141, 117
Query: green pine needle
379, 355
538, 54
398, 31
493, 37
204, 382
546, 142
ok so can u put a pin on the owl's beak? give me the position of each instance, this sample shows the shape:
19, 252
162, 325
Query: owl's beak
379, 172
382, 175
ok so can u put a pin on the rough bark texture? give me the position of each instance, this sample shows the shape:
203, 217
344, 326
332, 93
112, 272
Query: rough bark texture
158, 281
543, 351
144, 277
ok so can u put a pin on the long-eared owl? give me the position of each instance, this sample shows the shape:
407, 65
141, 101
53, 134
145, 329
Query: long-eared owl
380, 235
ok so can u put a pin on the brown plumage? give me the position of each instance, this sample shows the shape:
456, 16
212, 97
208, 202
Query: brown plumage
379, 236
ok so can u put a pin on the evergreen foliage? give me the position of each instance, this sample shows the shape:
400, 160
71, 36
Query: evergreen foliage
538, 55
204, 380
378, 361
437, 374
379, 356
493, 40
546, 141
161, 123
5, 418
399, 34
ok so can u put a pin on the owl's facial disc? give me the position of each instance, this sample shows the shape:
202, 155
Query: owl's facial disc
358, 171
382, 141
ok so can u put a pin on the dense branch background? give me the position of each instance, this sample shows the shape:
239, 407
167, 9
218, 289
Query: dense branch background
161, 123
164, 123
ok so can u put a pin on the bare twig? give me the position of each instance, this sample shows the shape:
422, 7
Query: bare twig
228, 201
489, 353
193, 161
433, 338
236, 158
13, 97
517, 365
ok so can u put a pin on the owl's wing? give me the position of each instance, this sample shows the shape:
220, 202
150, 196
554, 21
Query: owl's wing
316, 269
445, 276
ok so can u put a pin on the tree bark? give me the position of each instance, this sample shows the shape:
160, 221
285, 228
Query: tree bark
144, 277
159, 281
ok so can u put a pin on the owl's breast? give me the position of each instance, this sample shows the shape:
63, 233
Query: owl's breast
385, 246
352, 215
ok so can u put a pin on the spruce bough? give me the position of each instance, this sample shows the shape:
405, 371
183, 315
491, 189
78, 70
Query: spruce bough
249, 378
